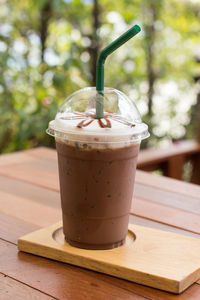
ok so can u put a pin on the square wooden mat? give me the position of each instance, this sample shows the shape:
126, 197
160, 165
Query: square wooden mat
152, 257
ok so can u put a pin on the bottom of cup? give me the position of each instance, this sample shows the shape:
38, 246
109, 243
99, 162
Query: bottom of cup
95, 246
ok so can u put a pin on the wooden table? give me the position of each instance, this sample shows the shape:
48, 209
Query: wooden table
29, 199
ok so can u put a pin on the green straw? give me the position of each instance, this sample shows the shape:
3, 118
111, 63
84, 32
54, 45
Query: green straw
100, 66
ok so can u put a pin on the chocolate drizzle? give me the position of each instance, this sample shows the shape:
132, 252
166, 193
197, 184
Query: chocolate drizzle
87, 118
84, 123
103, 125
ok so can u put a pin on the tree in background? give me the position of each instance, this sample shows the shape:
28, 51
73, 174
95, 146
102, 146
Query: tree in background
48, 50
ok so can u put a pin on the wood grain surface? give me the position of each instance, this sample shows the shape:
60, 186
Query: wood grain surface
31, 178
13, 289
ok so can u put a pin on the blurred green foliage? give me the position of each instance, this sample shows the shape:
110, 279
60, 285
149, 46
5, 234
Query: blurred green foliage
48, 49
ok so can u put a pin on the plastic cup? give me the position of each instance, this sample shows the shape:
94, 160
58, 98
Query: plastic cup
97, 164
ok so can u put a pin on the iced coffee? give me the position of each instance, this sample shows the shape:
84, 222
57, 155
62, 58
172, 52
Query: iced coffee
97, 164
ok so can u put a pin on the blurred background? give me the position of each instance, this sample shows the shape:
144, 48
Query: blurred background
48, 50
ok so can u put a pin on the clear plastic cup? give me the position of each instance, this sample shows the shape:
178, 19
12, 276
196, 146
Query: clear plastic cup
97, 163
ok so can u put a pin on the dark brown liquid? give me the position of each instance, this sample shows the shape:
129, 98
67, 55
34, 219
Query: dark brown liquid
96, 193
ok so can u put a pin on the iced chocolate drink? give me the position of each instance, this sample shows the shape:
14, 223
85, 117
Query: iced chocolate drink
96, 191
97, 164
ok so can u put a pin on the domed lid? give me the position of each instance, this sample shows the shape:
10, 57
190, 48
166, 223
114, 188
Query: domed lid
76, 117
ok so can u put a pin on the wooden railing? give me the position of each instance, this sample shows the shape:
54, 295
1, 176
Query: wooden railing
171, 161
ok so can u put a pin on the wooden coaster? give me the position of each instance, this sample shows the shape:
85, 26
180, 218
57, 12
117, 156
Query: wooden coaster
152, 257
